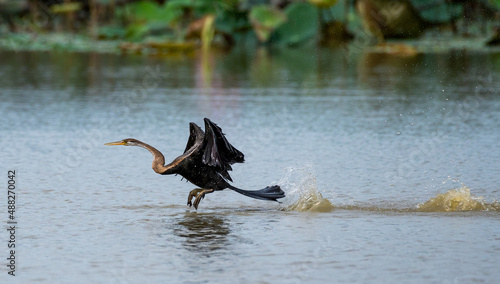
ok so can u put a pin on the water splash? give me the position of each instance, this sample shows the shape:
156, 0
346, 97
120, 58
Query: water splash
302, 191
303, 195
459, 199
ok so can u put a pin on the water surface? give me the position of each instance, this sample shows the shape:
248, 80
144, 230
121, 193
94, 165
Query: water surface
373, 134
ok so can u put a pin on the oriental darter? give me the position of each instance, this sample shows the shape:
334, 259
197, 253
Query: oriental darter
205, 163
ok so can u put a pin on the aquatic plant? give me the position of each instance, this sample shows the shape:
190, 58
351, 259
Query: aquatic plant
265, 20
226, 22
302, 24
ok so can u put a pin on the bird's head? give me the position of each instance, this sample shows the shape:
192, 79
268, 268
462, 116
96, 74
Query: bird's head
125, 142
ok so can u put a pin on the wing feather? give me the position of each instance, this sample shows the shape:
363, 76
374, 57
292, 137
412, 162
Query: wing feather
219, 153
196, 135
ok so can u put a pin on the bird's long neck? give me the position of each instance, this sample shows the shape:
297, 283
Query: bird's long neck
159, 159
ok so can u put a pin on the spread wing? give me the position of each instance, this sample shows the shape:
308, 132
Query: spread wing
196, 136
219, 153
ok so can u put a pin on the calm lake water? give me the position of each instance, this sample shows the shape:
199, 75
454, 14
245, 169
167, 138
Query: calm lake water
357, 141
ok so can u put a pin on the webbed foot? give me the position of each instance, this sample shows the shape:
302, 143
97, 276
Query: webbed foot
200, 196
192, 194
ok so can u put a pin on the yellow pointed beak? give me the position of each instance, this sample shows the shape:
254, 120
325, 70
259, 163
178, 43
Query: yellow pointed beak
115, 143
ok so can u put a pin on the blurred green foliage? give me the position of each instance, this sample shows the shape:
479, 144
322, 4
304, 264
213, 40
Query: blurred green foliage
495, 3
279, 23
296, 23
302, 24
439, 12
135, 21
264, 20
145, 17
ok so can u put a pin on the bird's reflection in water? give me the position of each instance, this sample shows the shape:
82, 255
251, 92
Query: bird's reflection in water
203, 233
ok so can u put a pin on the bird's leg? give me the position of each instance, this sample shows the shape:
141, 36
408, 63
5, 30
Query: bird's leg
193, 193
200, 196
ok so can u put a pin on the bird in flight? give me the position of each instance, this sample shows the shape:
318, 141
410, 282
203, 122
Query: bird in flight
205, 163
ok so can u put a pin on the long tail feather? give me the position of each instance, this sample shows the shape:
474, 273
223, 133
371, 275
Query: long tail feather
269, 193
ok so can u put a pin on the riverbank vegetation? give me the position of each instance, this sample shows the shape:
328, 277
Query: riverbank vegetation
147, 26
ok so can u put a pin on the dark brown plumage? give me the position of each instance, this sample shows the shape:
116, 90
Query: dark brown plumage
206, 163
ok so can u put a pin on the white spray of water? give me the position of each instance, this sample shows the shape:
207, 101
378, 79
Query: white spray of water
302, 191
